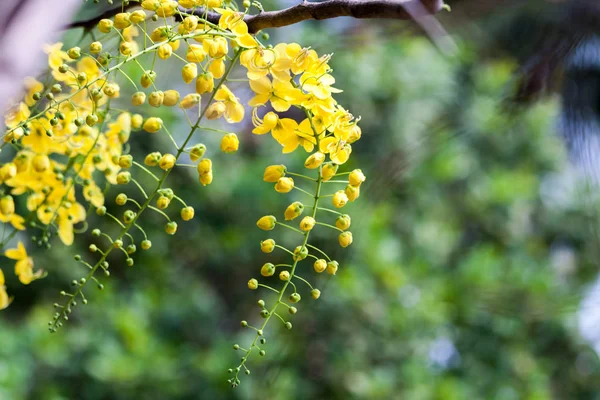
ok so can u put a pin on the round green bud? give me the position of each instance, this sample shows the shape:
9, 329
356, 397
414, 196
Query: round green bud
93, 248
236, 346
129, 216
288, 325
101, 211
261, 303
295, 297
262, 353
130, 262
252, 284
146, 244
259, 332
244, 324
131, 249
267, 269
121, 199
77, 257
117, 244
171, 227
315, 293
292, 310
264, 313
91, 119
263, 340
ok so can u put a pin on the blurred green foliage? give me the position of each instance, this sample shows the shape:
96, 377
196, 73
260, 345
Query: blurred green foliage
451, 290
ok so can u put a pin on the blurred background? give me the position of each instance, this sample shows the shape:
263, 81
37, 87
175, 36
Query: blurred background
474, 268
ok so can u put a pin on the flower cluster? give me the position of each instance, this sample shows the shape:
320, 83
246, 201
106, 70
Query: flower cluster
70, 140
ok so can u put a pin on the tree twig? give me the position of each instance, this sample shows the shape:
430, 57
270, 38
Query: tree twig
92, 22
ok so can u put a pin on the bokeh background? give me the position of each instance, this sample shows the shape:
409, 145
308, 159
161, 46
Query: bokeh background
471, 276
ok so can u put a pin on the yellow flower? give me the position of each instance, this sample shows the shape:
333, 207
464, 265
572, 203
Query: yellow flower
24, 265
265, 125
280, 93
234, 21
56, 56
284, 185
70, 214
352, 192
290, 135
319, 85
230, 143
307, 224
339, 199
260, 62
338, 150
234, 111
274, 172
267, 222
4, 299
294, 210
217, 67
7, 205
356, 177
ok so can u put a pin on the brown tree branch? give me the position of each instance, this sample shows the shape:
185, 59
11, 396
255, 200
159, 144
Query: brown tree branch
362, 9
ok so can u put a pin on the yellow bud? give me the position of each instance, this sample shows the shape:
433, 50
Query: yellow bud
74, 53
105, 25
356, 177
153, 124
160, 34
123, 177
150, 5
217, 68
167, 8
215, 110
121, 199
41, 162
267, 223
315, 293
152, 159
206, 179
163, 202
205, 83
345, 239
136, 121
125, 48
213, 3
267, 269
294, 210
354, 134
188, 3
147, 78
164, 51
205, 166
320, 265
112, 90
7, 205
189, 72
274, 172
343, 222
284, 185
284, 275
190, 23
187, 213
300, 253
328, 171
195, 53
125, 161
339, 199
267, 246
95, 47
138, 98
171, 227
332, 267
171, 97
197, 152
137, 16
167, 162
122, 20
314, 160
230, 143
156, 99
190, 100
307, 224
352, 192
252, 284
9, 170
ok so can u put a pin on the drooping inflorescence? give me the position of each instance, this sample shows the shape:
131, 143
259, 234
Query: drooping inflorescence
70, 136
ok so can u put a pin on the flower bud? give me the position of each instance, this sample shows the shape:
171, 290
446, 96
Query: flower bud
320, 265
129, 216
147, 78
314, 160
189, 72
74, 53
267, 223
339, 199
8, 171
101, 211
345, 239
205, 83
187, 213
215, 110
125, 161
168, 193
274, 172
137, 16
343, 222
152, 159
171, 97
307, 223
197, 152
123, 177
91, 120
95, 47
332, 267
295, 297
162, 202
230, 143
146, 244
204, 166
164, 51
153, 124
300, 253
356, 177
121, 199
40, 163
190, 100
122, 20
112, 90
252, 284
294, 210
284, 275
138, 98
328, 171
354, 134
315, 293
171, 227
352, 192
125, 48
267, 246
136, 121
195, 53
156, 99
167, 162
284, 185
267, 269
206, 179
190, 23
7, 205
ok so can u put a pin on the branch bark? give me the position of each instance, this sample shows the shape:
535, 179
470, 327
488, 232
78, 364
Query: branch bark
361, 9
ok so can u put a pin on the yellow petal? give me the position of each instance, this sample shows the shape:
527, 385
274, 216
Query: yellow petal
16, 254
